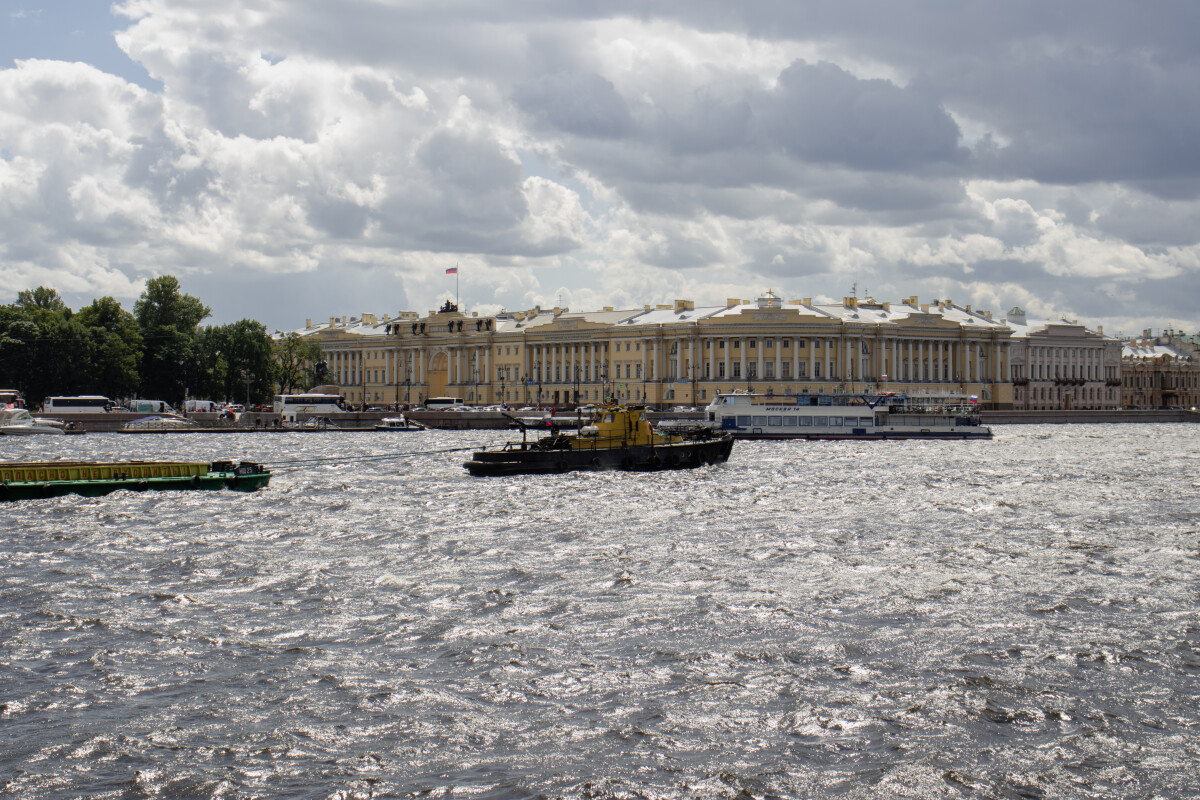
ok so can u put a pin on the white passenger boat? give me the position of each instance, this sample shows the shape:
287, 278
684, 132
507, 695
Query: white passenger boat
19, 422
887, 415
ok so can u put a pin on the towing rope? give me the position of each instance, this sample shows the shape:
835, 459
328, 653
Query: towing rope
305, 462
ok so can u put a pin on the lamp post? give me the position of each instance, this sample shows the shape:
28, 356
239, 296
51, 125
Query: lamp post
475, 377
539, 384
577, 385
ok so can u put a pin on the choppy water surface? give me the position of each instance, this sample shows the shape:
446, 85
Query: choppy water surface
1014, 618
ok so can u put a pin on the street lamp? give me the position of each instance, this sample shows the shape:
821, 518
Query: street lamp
539, 383
475, 377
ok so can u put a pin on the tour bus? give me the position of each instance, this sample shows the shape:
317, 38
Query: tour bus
289, 406
203, 406
11, 398
83, 404
444, 404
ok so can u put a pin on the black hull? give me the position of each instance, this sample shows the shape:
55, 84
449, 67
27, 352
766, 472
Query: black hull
829, 437
643, 458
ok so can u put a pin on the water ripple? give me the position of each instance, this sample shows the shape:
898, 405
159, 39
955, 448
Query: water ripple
1012, 618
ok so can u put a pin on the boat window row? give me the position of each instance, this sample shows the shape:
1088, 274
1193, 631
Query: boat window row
804, 422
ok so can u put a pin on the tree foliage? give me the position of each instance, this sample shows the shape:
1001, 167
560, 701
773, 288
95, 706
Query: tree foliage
159, 351
168, 320
298, 362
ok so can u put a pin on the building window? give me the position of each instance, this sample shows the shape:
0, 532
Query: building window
721, 370
737, 370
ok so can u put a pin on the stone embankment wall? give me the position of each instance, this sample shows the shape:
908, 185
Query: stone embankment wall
1077, 417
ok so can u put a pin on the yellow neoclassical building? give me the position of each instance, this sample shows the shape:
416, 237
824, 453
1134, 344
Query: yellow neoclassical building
668, 355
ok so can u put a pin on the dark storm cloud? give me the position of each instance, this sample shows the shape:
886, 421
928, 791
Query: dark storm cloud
581, 105
821, 113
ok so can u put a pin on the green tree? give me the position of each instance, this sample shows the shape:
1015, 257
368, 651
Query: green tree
240, 360
168, 320
116, 343
296, 359
42, 298
19, 337
46, 351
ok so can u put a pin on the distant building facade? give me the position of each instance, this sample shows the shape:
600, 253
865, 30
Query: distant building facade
1161, 371
667, 355
1057, 364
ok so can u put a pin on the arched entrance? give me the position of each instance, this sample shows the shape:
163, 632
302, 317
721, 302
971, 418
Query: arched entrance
438, 375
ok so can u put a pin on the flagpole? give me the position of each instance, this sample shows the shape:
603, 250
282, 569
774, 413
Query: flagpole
456, 280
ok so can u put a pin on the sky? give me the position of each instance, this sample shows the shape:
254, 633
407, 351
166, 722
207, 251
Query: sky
297, 159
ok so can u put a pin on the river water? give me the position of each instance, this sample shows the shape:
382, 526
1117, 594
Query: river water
1006, 619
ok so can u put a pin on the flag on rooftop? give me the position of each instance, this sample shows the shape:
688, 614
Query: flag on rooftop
452, 271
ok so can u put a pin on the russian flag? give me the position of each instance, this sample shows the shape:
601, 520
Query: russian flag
452, 271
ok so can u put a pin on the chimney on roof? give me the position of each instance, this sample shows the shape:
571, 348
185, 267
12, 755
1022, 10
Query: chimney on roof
684, 305
608, 308
308, 324
332, 321
850, 302
987, 314
732, 301
887, 306
925, 308
343, 319
806, 301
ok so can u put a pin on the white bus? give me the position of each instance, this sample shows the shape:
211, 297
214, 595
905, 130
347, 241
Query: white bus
291, 406
444, 404
83, 404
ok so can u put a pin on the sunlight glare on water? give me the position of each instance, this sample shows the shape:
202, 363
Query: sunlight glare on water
1013, 618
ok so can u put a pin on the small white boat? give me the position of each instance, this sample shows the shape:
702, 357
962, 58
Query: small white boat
163, 422
19, 422
400, 423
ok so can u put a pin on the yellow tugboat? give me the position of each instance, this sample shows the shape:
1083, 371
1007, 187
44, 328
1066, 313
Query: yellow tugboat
615, 437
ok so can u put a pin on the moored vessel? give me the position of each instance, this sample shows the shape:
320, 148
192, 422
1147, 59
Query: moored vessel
886, 415
400, 423
34, 480
615, 437
19, 422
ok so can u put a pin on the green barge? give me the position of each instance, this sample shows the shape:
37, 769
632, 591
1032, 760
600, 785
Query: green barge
36, 480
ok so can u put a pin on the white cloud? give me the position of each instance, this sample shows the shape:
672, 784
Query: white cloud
615, 160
